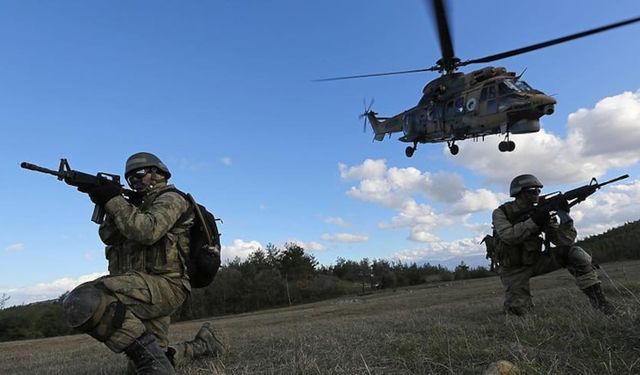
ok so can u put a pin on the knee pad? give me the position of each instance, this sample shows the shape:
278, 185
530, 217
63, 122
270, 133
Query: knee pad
578, 257
89, 310
83, 306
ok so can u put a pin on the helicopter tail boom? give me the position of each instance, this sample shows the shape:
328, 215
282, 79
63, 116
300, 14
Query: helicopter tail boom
383, 126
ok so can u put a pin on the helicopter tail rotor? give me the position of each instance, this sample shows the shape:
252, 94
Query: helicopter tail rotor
366, 113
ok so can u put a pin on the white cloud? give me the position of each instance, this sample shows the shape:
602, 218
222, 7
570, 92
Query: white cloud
226, 161
15, 248
610, 128
239, 249
398, 188
421, 218
370, 169
46, 291
477, 201
441, 250
446, 187
391, 187
606, 136
336, 221
308, 246
345, 237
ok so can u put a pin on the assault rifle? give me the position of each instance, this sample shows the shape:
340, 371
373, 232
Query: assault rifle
554, 202
77, 178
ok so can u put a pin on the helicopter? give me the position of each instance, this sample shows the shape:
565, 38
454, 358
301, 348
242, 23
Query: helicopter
458, 106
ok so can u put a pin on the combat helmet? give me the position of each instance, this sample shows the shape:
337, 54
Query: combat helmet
524, 181
144, 160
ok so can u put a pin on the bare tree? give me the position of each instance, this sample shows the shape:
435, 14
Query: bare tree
3, 299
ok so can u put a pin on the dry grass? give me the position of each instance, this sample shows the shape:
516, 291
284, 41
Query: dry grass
452, 328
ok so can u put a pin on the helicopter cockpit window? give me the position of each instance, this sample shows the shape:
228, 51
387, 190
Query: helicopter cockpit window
522, 85
488, 92
507, 86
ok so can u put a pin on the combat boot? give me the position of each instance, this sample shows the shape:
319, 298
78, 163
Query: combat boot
598, 300
148, 358
205, 344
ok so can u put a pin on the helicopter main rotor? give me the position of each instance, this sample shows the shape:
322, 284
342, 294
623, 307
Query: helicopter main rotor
449, 63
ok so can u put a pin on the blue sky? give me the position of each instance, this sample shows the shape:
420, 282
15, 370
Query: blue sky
223, 93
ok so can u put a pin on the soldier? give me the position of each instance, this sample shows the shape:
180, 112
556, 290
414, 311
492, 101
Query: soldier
519, 248
147, 238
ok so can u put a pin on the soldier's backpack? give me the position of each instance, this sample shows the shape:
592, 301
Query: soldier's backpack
203, 260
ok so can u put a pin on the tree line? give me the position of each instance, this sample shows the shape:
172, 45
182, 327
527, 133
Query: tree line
275, 277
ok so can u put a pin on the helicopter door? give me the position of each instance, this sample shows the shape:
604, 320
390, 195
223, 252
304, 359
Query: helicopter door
449, 112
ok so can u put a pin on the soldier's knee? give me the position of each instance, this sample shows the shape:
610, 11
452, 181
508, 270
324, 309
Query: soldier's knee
87, 309
83, 305
579, 258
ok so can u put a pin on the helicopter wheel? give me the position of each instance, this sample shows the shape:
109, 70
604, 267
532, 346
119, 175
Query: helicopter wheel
454, 149
409, 151
503, 146
511, 145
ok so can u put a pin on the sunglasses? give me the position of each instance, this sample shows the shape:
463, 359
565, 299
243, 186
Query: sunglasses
532, 190
137, 175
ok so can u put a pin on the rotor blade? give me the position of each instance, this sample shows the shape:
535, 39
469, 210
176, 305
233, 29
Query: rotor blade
548, 43
433, 68
440, 13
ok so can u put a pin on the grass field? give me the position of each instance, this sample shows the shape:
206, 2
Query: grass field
448, 328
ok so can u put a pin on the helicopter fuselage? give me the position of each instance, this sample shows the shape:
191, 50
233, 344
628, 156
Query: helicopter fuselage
458, 106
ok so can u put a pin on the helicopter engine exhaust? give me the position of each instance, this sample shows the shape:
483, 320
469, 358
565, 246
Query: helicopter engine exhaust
548, 109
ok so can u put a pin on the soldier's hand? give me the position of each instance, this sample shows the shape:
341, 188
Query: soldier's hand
564, 206
134, 197
541, 217
564, 217
101, 194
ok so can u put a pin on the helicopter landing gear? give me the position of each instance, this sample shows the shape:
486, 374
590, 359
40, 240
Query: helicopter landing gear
410, 150
506, 145
453, 148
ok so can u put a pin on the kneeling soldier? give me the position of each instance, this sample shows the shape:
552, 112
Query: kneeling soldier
518, 247
129, 310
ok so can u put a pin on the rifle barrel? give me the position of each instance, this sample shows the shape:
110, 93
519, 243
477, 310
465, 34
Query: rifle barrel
37, 168
614, 180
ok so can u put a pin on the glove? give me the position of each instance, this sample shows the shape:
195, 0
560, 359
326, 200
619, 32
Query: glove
101, 194
564, 217
541, 217
134, 197
564, 206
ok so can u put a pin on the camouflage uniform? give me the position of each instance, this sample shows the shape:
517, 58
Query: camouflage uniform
147, 280
519, 250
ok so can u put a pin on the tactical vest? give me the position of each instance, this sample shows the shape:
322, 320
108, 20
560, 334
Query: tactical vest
161, 258
523, 254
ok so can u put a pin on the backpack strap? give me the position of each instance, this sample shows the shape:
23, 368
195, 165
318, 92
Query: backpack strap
185, 216
195, 208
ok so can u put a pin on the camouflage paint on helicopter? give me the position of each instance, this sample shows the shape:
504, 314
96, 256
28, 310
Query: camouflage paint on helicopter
458, 106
